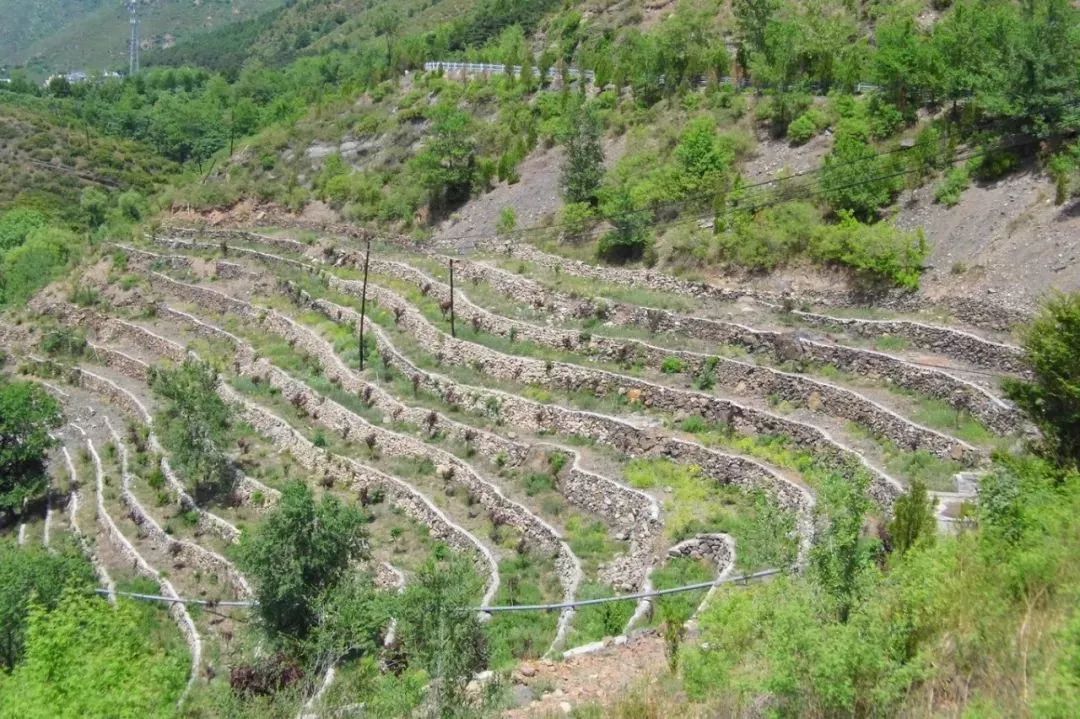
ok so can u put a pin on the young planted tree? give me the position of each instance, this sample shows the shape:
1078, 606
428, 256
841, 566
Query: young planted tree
913, 518
841, 556
194, 423
27, 413
33, 574
440, 635
583, 167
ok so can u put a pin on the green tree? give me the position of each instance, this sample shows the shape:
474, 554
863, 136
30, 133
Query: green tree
438, 636
447, 167
36, 262
16, 225
27, 413
33, 574
854, 176
841, 556
87, 658
299, 553
1052, 397
913, 518
629, 237
703, 158
583, 164
194, 423
1044, 72
94, 205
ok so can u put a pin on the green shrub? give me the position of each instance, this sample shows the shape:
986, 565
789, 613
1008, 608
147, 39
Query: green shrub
952, 187
578, 219
671, 365
1052, 397
880, 253
854, 176
801, 130
771, 237
539, 482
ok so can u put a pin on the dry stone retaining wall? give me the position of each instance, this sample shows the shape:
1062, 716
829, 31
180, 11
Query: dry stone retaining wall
741, 376
538, 417
602, 383
362, 478
351, 473
997, 414
978, 313
632, 509
783, 346
178, 611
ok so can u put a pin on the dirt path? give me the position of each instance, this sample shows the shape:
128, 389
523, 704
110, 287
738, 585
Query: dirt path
554, 688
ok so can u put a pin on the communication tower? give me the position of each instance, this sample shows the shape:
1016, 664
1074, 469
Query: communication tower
133, 45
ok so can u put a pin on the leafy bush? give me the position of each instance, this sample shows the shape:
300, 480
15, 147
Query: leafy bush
298, 556
27, 414
30, 574
771, 237
16, 225
879, 253
28, 267
629, 239
801, 130
855, 177
671, 365
808, 124
195, 423
1052, 397
952, 187
578, 219
88, 658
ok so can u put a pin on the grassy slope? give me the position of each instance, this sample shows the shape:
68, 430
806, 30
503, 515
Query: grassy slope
33, 131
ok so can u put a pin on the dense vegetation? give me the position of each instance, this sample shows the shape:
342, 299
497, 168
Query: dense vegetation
27, 414
995, 76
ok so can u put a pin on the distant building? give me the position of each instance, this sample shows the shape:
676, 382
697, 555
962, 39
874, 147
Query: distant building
77, 77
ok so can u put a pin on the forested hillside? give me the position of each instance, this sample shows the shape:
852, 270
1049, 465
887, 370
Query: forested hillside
92, 35
390, 358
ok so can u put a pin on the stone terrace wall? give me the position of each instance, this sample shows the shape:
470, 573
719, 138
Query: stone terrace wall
982, 404
321, 462
534, 416
740, 376
126, 549
997, 414
627, 508
186, 552
601, 383
361, 479
978, 313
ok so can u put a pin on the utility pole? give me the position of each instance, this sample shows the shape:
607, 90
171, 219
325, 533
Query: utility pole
133, 43
363, 303
452, 332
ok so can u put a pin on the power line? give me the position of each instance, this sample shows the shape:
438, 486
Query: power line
644, 212
743, 578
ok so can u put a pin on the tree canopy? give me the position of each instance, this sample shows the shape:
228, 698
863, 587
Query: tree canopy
27, 414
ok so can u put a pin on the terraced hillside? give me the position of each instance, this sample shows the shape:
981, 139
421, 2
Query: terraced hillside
580, 432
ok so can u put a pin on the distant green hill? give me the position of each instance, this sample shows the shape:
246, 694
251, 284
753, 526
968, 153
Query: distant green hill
54, 35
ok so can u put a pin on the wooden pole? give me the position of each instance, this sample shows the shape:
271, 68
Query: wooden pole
452, 332
363, 303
